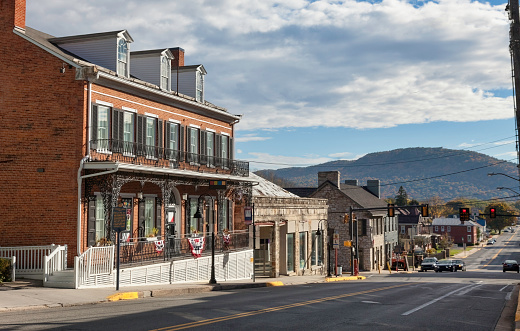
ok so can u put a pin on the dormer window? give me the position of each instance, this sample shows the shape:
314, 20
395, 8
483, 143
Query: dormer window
165, 73
200, 87
122, 58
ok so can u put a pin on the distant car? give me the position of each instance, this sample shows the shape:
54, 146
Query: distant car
510, 265
491, 241
428, 263
445, 265
459, 265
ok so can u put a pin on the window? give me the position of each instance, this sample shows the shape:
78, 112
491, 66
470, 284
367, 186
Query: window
100, 219
362, 227
200, 87
165, 73
290, 252
122, 58
449, 228
149, 136
128, 132
317, 249
100, 128
193, 222
127, 204
210, 152
442, 228
403, 229
193, 145
469, 238
469, 228
303, 249
436, 228
173, 141
149, 216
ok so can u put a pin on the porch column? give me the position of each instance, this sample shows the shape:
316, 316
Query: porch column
275, 250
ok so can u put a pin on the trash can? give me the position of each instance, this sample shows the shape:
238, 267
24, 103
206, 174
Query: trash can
340, 271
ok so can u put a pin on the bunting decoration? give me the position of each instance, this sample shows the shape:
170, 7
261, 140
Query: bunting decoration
159, 246
197, 246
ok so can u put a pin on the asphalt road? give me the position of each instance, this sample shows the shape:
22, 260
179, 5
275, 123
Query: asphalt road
471, 300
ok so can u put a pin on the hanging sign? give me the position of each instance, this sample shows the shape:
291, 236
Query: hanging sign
217, 184
248, 215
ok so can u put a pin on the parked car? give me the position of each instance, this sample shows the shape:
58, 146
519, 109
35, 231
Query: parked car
459, 265
445, 265
510, 265
429, 263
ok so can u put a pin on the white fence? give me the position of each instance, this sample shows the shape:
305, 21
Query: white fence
30, 260
55, 261
94, 267
228, 266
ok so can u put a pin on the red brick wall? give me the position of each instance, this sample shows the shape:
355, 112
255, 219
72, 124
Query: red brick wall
41, 127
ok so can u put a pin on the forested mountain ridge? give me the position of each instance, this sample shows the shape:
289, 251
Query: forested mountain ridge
423, 172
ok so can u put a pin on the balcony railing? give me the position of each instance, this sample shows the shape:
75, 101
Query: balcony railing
128, 152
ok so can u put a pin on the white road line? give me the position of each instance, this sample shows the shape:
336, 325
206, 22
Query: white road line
503, 288
469, 289
435, 300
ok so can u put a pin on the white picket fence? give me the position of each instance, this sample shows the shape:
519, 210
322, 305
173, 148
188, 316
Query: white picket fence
228, 266
30, 260
94, 267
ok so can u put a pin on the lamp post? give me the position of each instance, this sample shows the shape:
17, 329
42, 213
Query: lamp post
318, 233
507, 188
499, 173
198, 214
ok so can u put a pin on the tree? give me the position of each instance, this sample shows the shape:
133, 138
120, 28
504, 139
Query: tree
500, 222
437, 207
444, 242
401, 199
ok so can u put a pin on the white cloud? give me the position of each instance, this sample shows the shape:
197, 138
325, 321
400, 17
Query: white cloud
346, 156
324, 63
250, 137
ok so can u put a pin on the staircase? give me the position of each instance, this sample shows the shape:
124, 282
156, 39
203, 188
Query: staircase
61, 279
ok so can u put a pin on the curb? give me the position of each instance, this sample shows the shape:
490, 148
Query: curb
337, 279
123, 296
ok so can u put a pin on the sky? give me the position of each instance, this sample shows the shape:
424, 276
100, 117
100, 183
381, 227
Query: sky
317, 81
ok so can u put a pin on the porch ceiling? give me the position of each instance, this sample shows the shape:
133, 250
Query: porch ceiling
164, 171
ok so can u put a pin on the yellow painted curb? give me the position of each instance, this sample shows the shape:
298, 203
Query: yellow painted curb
278, 283
123, 296
337, 279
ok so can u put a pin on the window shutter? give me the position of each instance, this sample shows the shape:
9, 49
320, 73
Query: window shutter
203, 152
187, 209
218, 150
141, 218
140, 134
168, 152
231, 148
181, 144
117, 130
93, 127
189, 154
160, 138
158, 217
91, 223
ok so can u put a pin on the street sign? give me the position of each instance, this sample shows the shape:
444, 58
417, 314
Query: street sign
248, 215
347, 243
335, 240
119, 220
217, 184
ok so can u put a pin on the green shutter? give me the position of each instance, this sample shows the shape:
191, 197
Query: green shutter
94, 127
91, 223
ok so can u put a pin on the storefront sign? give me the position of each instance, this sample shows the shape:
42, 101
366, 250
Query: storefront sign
119, 219
248, 215
217, 184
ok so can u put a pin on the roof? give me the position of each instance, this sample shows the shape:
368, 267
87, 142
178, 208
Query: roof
303, 192
50, 43
266, 188
362, 197
91, 36
452, 222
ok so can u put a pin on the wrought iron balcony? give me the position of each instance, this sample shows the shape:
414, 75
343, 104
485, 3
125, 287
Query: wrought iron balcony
128, 152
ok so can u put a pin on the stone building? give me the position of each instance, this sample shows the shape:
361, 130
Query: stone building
377, 233
286, 229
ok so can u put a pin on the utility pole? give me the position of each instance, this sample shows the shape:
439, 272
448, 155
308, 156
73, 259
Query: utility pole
514, 48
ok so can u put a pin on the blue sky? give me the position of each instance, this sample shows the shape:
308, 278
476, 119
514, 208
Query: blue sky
324, 80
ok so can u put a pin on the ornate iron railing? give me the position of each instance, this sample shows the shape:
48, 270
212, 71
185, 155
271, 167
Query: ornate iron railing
135, 153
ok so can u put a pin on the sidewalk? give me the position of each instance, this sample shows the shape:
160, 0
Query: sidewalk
29, 294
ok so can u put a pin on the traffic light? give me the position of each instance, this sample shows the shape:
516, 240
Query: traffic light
464, 214
345, 218
391, 210
492, 212
424, 211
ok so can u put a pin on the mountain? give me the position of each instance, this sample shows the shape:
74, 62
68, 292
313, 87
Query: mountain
423, 172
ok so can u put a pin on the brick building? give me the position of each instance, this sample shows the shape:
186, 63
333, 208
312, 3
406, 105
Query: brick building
457, 231
377, 233
88, 125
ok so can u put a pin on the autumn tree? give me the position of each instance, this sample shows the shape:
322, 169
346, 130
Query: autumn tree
437, 207
500, 222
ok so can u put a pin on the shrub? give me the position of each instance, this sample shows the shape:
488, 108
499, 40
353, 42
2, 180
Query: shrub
5, 270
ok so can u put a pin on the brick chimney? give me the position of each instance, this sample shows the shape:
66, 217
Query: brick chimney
12, 13
178, 57
331, 176
374, 187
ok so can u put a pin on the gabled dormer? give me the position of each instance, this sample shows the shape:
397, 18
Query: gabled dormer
110, 50
190, 79
153, 66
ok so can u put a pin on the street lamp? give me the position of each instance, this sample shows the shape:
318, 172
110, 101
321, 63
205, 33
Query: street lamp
318, 233
499, 173
507, 188
198, 214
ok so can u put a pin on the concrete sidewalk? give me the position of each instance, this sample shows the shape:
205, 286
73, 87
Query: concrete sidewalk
29, 294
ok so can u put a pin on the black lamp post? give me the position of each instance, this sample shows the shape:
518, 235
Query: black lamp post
198, 214
318, 233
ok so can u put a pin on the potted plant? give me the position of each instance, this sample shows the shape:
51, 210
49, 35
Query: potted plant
152, 236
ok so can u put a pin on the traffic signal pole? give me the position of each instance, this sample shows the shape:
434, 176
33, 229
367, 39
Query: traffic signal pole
514, 48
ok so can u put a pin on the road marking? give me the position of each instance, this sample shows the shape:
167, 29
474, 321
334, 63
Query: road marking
371, 302
503, 288
469, 289
272, 309
494, 257
435, 300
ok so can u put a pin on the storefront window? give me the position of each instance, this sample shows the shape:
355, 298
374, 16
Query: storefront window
290, 252
149, 216
314, 244
100, 219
